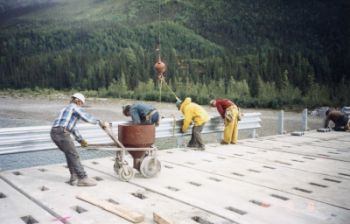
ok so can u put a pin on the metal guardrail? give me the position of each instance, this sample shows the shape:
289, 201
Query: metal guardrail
346, 110
37, 138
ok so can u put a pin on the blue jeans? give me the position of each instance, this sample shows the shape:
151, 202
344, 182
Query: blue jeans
340, 125
155, 118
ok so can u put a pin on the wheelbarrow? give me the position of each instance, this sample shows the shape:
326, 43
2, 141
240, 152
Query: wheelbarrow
144, 158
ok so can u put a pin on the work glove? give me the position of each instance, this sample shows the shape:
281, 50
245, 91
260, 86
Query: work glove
83, 143
103, 124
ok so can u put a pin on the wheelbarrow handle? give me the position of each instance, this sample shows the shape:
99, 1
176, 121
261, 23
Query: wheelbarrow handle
102, 145
110, 134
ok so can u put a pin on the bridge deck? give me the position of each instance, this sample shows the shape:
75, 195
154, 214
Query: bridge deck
275, 179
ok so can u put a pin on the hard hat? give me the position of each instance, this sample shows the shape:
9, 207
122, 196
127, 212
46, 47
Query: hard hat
212, 102
79, 96
126, 110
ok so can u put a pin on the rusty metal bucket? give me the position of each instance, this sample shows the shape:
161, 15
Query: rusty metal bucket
136, 136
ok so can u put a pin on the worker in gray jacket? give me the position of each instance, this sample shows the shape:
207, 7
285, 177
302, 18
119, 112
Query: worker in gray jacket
142, 113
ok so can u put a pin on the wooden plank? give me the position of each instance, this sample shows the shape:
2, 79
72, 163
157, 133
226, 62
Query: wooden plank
132, 216
161, 219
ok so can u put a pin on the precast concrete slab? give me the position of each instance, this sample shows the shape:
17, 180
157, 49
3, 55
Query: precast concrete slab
47, 185
327, 135
311, 137
16, 208
266, 180
270, 159
269, 175
319, 149
221, 194
337, 144
239, 201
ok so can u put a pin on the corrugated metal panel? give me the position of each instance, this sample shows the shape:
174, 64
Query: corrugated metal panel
36, 138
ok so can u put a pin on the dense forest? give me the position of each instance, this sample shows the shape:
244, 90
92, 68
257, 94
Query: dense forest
258, 53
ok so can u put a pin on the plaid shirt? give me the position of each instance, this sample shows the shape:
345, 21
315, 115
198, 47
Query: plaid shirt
69, 116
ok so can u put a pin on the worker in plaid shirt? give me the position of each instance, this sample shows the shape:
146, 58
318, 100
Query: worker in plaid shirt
61, 132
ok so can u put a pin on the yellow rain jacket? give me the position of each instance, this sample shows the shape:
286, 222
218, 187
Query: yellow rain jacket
192, 112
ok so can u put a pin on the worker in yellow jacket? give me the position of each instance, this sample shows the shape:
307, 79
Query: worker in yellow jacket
193, 113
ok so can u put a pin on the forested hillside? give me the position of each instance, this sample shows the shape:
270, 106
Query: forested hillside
258, 53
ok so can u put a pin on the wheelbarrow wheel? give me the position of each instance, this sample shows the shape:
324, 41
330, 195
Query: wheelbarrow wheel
126, 173
150, 166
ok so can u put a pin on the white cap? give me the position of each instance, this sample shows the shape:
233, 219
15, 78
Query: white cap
79, 96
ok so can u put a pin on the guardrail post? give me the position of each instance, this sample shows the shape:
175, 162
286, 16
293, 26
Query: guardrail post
281, 123
218, 136
254, 133
179, 141
304, 126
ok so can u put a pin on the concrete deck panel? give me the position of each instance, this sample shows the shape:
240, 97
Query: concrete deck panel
279, 179
15, 207
336, 149
269, 175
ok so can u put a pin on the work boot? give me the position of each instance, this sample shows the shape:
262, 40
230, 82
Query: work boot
73, 180
223, 142
191, 145
86, 182
201, 148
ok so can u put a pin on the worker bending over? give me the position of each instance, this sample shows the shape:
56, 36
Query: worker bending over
61, 132
340, 119
193, 113
230, 113
142, 113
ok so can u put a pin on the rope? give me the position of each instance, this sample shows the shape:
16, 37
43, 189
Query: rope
161, 77
166, 84
158, 41
158, 48
160, 90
